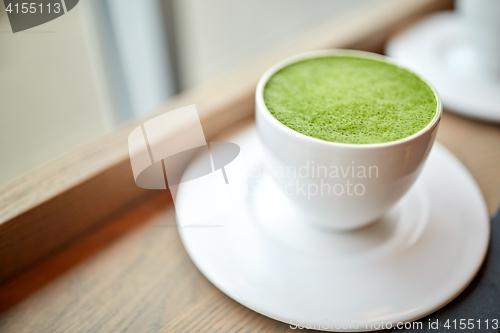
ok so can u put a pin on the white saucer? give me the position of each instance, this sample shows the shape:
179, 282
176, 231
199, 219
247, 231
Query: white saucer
411, 263
437, 49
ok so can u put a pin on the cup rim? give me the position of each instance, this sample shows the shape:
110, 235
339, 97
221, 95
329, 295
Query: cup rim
261, 105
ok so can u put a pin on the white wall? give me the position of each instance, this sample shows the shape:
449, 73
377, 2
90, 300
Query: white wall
216, 36
53, 97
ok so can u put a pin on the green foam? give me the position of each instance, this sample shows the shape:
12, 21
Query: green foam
350, 100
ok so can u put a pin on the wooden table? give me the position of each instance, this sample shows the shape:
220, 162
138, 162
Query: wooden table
132, 273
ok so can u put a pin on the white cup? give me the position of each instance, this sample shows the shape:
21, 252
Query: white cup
482, 20
394, 166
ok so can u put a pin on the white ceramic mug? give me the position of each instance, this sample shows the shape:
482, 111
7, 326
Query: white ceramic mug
482, 20
394, 165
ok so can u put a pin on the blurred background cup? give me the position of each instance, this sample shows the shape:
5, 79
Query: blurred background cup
482, 19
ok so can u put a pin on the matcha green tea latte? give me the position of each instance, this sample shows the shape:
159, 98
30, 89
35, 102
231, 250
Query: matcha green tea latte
350, 100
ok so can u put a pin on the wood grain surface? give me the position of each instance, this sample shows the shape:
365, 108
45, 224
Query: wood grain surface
94, 260
132, 274
46, 209
477, 145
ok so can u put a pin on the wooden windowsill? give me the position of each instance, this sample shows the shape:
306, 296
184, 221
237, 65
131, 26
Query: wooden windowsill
131, 273
53, 206
84, 249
